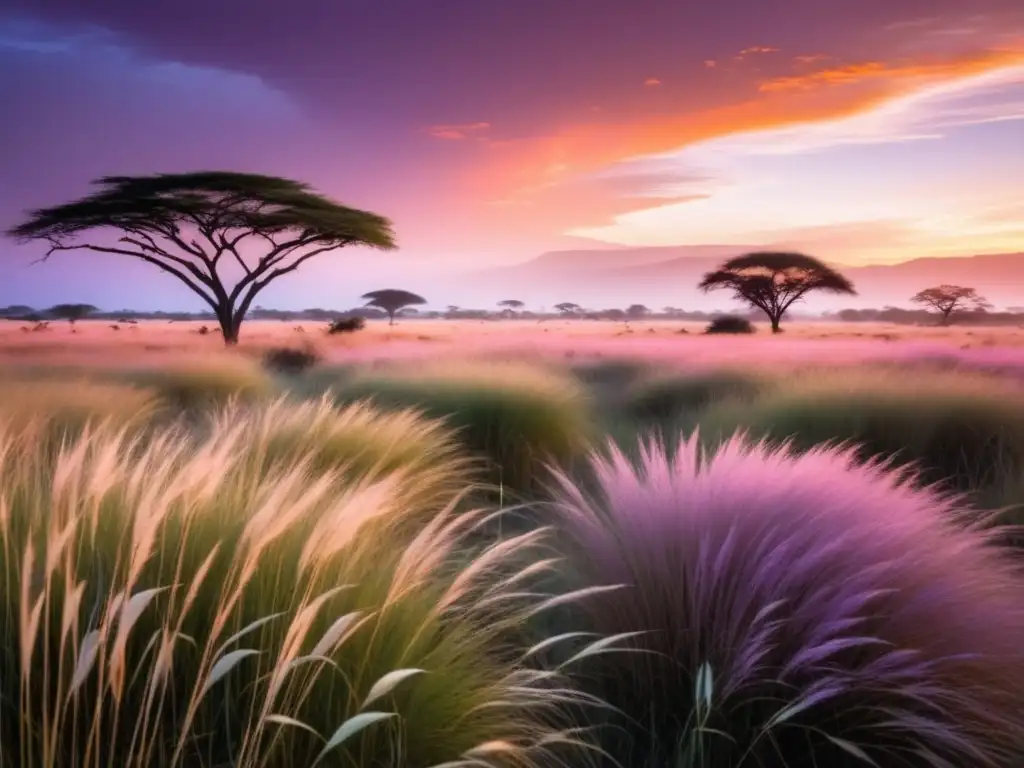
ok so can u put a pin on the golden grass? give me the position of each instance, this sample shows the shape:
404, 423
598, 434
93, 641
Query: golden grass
68, 404
173, 603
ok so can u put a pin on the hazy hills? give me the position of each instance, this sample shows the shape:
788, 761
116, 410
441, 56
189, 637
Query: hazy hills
669, 276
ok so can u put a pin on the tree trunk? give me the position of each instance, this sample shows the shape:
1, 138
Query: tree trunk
228, 328
775, 324
391, 318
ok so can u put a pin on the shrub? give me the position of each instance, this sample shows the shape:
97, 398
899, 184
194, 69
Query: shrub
346, 325
290, 360
161, 604
798, 610
964, 430
198, 384
517, 418
666, 398
730, 324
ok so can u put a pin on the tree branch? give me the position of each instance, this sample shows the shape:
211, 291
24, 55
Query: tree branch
57, 246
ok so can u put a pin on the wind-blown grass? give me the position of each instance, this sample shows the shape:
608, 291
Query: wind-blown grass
795, 609
164, 603
199, 384
419, 457
962, 429
65, 406
517, 418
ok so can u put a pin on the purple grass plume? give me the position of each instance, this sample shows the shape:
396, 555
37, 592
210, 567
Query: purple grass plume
794, 610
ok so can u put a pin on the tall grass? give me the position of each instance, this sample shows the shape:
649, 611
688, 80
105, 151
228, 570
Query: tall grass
420, 458
962, 429
794, 609
668, 398
66, 406
195, 384
517, 418
170, 602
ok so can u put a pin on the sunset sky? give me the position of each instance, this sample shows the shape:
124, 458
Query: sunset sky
490, 131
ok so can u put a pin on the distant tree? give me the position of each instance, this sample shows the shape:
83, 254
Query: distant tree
774, 281
195, 226
637, 311
947, 299
71, 312
16, 310
391, 300
568, 308
514, 304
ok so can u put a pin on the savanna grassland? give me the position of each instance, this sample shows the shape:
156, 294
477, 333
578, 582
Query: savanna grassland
456, 543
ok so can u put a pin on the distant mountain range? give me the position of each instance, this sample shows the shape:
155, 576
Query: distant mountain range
669, 277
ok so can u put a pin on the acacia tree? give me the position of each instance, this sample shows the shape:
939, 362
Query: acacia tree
568, 308
637, 311
774, 281
201, 227
947, 299
71, 312
391, 300
511, 305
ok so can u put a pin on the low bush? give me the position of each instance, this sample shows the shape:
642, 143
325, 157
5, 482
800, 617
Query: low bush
665, 398
516, 418
346, 325
960, 429
290, 360
164, 604
793, 609
730, 324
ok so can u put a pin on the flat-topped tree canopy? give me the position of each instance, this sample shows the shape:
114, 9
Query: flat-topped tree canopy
191, 225
773, 281
391, 300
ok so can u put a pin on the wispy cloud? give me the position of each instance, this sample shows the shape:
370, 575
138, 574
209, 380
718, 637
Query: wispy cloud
923, 114
756, 49
771, 191
457, 132
652, 82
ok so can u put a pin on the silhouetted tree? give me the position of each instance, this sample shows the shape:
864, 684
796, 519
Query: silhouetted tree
71, 312
774, 281
947, 299
391, 300
568, 308
511, 306
637, 311
195, 226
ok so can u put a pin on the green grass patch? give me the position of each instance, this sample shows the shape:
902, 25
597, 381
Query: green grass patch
516, 418
961, 429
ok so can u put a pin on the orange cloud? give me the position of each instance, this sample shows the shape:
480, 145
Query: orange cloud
457, 132
545, 170
710, 63
652, 81
867, 71
757, 49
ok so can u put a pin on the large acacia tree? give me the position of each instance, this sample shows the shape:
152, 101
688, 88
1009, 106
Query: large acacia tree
225, 235
774, 281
